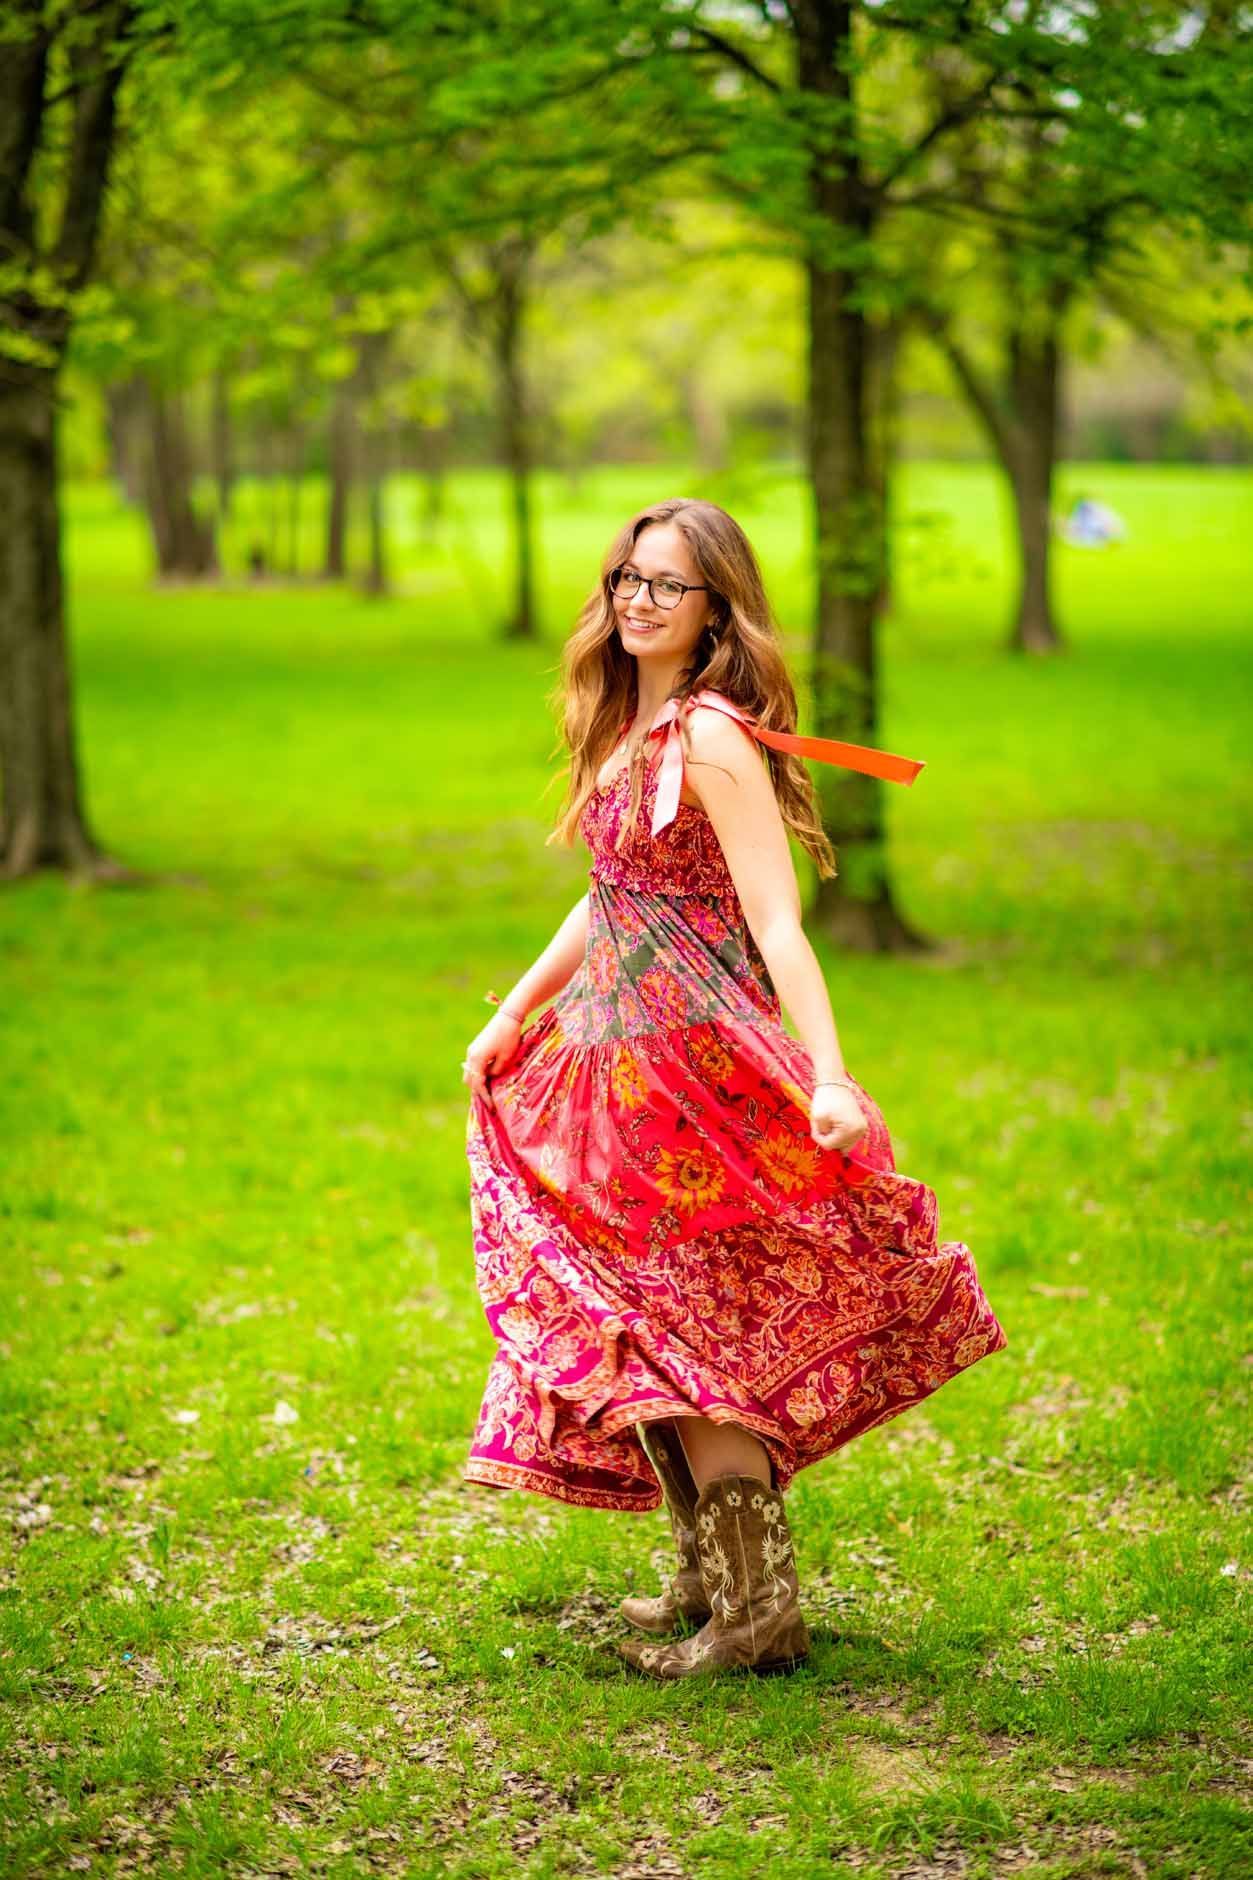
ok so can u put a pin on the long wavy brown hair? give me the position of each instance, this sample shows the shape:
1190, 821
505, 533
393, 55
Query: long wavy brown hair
740, 655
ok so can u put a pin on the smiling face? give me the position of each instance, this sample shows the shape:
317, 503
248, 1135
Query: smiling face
666, 633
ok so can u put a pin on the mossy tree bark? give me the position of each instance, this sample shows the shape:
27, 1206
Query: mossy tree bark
42, 819
857, 908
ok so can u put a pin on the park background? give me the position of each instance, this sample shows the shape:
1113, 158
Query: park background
386, 322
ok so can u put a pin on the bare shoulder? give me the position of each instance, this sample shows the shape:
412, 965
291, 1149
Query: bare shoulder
737, 794
720, 741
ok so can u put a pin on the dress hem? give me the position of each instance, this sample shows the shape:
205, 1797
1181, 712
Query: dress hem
515, 1475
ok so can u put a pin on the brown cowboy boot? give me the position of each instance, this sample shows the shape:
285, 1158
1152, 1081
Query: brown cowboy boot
749, 1576
684, 1597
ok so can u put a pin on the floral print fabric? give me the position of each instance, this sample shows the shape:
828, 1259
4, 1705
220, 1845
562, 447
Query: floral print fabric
657, 1234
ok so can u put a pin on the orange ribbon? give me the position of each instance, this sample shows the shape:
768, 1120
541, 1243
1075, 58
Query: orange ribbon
862, 757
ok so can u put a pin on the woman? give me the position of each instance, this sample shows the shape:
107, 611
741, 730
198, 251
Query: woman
701, 1268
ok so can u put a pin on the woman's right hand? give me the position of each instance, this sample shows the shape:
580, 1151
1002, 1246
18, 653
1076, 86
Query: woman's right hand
489, 1053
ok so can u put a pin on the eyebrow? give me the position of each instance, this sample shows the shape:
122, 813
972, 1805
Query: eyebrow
657, 571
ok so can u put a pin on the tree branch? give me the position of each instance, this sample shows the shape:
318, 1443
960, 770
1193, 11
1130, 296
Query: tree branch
958, 113
23, 72
731, 51
971, 380
91, 144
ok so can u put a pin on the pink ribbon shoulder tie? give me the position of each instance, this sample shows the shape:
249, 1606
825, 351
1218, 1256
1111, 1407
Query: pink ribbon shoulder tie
862, 757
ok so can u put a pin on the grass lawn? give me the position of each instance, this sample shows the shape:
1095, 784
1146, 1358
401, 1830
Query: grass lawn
251, 1621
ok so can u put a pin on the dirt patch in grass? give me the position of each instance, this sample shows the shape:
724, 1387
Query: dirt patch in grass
889, 1770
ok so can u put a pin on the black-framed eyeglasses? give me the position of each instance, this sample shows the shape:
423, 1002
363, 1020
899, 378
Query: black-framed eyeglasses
664, 591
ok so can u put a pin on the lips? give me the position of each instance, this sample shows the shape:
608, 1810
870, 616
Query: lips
644, 626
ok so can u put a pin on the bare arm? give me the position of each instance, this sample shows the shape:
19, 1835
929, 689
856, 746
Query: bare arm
497, 1043
556, 965
739, 799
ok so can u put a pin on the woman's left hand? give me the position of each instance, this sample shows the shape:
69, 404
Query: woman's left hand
836, 1119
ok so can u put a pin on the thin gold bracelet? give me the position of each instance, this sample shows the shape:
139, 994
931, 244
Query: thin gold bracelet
492, 998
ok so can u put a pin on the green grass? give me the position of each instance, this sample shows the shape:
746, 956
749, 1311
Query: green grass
234, 1179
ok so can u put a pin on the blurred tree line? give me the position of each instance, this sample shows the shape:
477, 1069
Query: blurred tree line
351, 235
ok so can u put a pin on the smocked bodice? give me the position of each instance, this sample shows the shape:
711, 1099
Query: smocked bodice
683, 858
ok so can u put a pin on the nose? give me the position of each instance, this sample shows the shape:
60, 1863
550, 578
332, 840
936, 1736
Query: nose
641, 603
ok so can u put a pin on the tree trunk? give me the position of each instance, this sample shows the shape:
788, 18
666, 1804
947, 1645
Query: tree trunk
122, 408
183, 541
856, 908
41, 817
375, 450
376, 581
295, 485
223, 445
515, 438
339, 469
1034, 382
885, 436
42, 823
272, 473
1021, 416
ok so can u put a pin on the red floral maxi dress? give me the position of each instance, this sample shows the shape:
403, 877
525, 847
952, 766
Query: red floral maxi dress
657, 1234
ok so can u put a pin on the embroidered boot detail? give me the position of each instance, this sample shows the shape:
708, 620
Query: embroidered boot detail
684, 1597
749, 1576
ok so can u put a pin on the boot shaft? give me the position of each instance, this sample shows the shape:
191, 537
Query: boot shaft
748, 1572
747, 1561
